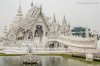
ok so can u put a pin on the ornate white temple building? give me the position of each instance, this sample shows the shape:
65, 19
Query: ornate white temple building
39, 31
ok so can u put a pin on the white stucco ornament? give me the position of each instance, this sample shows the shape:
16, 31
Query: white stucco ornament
98, 45
89, 57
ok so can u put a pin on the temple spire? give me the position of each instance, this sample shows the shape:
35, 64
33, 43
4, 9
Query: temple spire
41, 9
64, 18
5, 31
64, 21
69, 25
32, 4
20, 5
54, 19
19, 10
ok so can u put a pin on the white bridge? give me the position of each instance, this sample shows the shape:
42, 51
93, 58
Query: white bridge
80, 42
72, 45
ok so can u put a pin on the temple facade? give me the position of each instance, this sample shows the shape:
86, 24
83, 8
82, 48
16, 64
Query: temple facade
35, 24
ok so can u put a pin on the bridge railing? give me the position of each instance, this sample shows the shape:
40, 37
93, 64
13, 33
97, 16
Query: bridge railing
49, 49
74, 41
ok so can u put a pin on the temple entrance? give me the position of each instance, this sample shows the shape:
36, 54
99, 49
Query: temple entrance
39, 32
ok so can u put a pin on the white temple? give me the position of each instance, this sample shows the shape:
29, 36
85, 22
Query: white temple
38, 31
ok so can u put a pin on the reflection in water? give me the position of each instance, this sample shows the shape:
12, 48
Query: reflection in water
12, 61
44, 61
51, 60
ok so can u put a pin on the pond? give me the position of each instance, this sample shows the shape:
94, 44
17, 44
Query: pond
43, 61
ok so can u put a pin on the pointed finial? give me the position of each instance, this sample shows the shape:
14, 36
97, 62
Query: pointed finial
19, 10
64, 17
64, 20
5, 29
69, 24
54, 18
32, 4
41, 9
20, 5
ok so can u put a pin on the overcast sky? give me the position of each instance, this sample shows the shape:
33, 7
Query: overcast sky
78, 12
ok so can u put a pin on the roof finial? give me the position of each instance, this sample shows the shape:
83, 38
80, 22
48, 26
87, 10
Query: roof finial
54, 18
69, 25
5, 31
64, 20
32, 4
19, 10
64, 17
20, 5
41, 9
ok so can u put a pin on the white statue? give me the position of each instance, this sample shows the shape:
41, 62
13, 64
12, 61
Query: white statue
89, 57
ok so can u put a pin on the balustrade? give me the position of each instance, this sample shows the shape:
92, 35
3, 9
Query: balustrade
66, 40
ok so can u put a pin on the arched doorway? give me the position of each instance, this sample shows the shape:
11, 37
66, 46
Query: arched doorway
53, 45
39, 32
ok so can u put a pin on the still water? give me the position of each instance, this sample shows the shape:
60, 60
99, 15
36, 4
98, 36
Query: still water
43, 61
